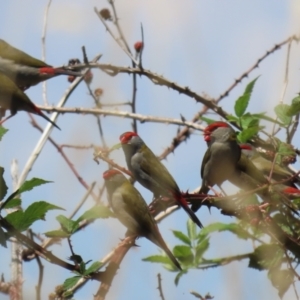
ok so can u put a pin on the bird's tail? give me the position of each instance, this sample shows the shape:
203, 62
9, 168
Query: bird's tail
204, 190
159, 241
182, 202
37, 111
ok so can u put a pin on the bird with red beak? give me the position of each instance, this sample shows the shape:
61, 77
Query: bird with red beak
151, 173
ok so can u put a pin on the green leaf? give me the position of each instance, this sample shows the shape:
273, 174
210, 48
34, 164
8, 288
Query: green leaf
281, 280
201, 249
191, 229
95, 266
241, 105
249, 120
250, 86
3, 186
207, 120
57, 234
281, 111
22, 220
2, 132
184, 254
30, 184
182, 237
70, 282
82, 267
178, 276
157, 259
13, 203
2, 238
294, 108
242, 102
247, 134
67, 225
231, 118
115, 147
97, 212
263, 116
266, 257
232, 227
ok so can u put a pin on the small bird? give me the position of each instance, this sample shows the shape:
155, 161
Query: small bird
151, 173
265, 166
25, 70
132, 211
221, 157
14, 99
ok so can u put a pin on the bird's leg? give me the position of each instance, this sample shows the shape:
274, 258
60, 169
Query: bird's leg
5, 119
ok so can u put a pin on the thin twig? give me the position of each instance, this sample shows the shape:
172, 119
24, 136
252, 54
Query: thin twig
113, 36
44, 137
134, 81
65, 157
123, 114
98, 117
44, 49
16, 248
83, 200
285, 81
41, 272
161, 294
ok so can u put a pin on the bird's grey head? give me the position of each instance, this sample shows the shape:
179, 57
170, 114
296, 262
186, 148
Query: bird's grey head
113, 179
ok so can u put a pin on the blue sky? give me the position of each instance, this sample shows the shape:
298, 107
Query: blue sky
201, 44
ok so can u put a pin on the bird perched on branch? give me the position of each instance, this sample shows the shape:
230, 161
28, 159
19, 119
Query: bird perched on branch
25, 70
265, 166
14, 99
132, 211
220, 159
151, 173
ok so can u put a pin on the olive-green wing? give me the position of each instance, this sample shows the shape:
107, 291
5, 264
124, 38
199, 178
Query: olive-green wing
160, 175
9, 52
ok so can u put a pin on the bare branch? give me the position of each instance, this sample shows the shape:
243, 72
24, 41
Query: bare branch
123, 114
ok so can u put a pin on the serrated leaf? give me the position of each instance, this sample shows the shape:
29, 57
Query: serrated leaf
241, 105
201, 249
2, 132
95, 266
22, 220
2, 238
32, 183
248, 120
242, 102
231, 118
266, 257
67, 225
115, 147
232, 227
3, 186
281, 280
57, 234
250, 86
184, 254
191, 229
12, 203
208, 121
82, 267
247, 134
182, 237
263, 116
178, 276
70, 282
157, 259
281, 111
97, 212
294, 108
